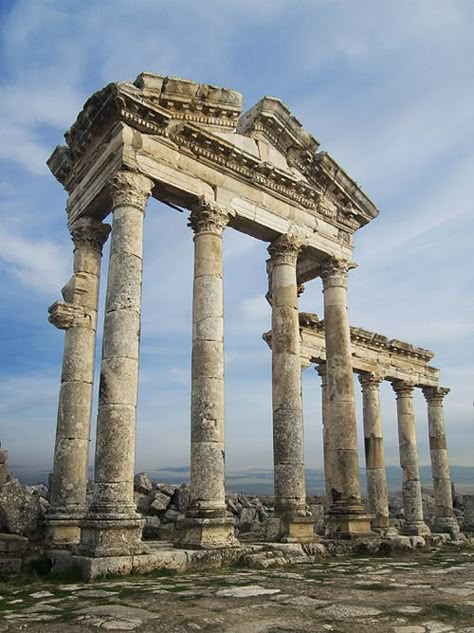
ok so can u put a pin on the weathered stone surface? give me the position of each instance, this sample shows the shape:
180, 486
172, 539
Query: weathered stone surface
20, 511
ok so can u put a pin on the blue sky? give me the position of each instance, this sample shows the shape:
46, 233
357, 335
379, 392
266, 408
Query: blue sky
387, 88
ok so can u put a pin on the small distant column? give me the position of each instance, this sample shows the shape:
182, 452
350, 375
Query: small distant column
77, 315
411, 488
377, 491
321, 369
444, 520
288, 441
347, 515
113, 526
206, 524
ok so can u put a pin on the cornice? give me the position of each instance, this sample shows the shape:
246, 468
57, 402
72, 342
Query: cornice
187, 113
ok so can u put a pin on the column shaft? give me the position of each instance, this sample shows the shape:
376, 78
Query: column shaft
377, 491
206, 524
411, 487
346, 511
78, 316
288, 440
444, 515
321, 369
114, 526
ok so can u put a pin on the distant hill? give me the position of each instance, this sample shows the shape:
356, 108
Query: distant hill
260, 481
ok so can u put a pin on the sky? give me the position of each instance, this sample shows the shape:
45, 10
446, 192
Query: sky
387, 88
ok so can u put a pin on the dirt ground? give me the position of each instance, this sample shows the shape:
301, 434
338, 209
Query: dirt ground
423, 593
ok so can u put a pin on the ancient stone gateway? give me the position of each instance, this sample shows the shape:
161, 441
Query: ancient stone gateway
261, 173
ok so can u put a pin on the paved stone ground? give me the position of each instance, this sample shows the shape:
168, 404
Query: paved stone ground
426, 593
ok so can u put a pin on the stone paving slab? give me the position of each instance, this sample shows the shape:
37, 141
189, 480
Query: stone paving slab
378, 595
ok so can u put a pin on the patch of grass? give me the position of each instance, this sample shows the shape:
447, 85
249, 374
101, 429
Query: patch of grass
449, 612
155, 573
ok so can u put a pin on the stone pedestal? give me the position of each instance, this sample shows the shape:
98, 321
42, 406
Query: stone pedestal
288, 440
347, 515
206, 524
377, 491
444, 520
77, 315
112, 525
413, 523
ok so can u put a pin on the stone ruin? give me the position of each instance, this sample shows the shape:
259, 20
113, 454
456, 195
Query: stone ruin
189, 145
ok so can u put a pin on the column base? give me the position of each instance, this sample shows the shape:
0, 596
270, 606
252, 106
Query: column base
448, 525
380, 523
109, 536
416, 528
210, 533
348, 525
62, 532
297, 530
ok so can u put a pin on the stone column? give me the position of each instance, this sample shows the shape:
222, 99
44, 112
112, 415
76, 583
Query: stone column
444, 520
347, 514
377, 491
77, 315
321, 369
411, 487
288, 441
113, 527
206, 524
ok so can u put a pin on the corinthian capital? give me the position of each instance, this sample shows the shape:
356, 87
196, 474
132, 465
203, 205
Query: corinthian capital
334, 271
435, 394
370, 380
209, 217
89, 232
130, 189
403, 388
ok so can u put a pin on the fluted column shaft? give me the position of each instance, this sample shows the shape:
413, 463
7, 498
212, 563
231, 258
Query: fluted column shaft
77, 315
444, 514
411, 486
377, 491
321, 369
288, 443
345, 491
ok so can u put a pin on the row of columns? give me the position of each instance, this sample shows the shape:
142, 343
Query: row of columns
377, 490
111, 525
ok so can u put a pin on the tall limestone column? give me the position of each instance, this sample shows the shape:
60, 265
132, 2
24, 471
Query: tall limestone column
411, 487
444, 520
347, 514
206, 524
112, 526
377, 491
77, 315
288, 441
321, 369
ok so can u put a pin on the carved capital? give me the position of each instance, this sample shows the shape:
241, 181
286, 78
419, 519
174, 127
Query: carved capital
334, 271
209, 217
370, 380
285, 249
130, 189
67, 315
402, 388
435, 394
90, 233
